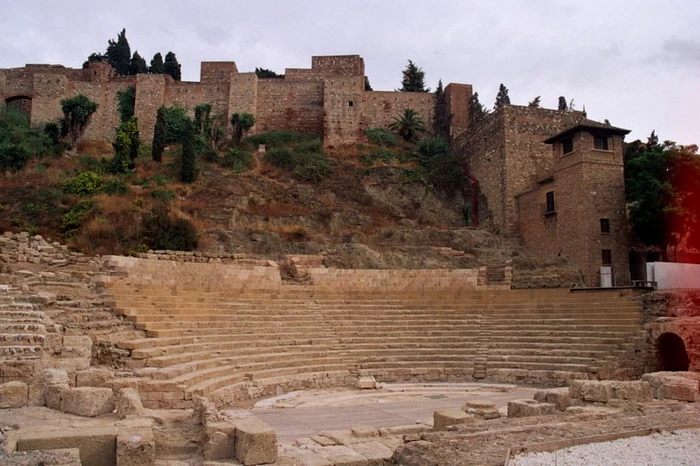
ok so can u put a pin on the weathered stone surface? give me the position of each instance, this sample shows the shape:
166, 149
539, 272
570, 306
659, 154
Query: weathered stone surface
58, 457
375, 452
87, 401
631, 391
450, 417
203, 409
97, 444
591, 390
53, 394
367, 383
129, 403
481, 409
559, 397
14, 395
55, 377
525, 408
94, 377
219, 446
256, 442
137, 449
679, 388
365, 431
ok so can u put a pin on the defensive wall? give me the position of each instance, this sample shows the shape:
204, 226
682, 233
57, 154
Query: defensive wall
328, 99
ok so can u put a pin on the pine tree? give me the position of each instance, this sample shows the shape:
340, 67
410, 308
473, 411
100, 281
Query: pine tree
156, 64
413, 79
535, 103
188, 169
442, 119
159, 136
563, 106
264, 73
94, 57
137, 64
119, 54
502, 98
172, 67
476, 110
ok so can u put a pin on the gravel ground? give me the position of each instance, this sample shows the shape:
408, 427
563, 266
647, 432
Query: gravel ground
667, 448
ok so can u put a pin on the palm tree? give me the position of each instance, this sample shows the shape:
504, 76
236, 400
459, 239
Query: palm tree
408, 125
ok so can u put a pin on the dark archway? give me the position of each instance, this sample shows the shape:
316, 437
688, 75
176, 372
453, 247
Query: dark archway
20, 102
671, 354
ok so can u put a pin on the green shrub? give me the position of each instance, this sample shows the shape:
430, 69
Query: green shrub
175, 124
280, 158
115, 186
126, 103
159, 180
73, 220
90, 163
13, 158
280, 138
210, 155
311, 167
163, 195
83, 184
442, 168
161, 231
383, 155
237, 160
382, 137
315, 146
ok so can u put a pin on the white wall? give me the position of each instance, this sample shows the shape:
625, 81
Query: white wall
671, 275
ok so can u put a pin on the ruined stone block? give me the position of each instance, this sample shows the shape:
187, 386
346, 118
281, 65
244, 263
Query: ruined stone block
559, 397
364, 431
55, 377
256, 442
219, 446
657, 380
14, 395
591, 390
631, 391
53, 394
481, 410
679, 388
526, 408
94, 377
442, 418
129, 403
366, 383
136, 449
87, 401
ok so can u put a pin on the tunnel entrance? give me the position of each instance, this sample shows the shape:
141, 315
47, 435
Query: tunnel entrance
671, 354
22, 103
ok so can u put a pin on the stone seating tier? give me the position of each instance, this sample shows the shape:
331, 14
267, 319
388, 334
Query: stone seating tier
232, 345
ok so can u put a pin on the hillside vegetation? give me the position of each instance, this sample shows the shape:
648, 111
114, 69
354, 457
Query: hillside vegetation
385, 203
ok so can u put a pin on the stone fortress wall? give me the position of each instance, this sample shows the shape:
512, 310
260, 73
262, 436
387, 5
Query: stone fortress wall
328, 99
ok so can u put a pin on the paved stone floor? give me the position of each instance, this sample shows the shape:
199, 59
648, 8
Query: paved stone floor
301, 414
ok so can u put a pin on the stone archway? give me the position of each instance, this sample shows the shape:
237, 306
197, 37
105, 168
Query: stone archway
22, 103
671, 353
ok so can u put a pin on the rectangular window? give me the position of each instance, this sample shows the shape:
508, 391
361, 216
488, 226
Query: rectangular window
350, 103
600, 143
567, 145
607, 257
605, 226
550, 203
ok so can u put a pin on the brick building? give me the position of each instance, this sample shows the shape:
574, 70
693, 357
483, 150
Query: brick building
555, 181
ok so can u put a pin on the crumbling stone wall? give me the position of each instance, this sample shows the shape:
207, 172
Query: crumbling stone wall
289, 105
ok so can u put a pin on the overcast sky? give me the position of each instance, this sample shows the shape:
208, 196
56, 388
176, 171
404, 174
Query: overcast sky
635, 62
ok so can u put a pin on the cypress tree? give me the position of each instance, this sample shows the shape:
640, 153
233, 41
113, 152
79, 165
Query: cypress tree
159, 136
172, 67
156, 64
502, 98
413, 79
188, 169
534, 103
119, 54
563, 106
137, 64
441, 118
476, 110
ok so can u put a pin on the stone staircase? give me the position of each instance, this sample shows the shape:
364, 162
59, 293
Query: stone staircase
231, 345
